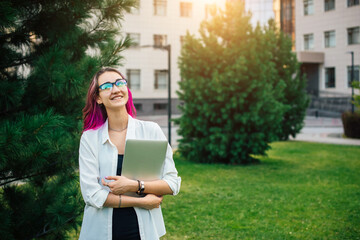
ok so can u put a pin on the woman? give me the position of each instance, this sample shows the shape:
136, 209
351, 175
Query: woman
108, 123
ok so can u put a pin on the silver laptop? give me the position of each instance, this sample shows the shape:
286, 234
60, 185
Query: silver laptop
143, 159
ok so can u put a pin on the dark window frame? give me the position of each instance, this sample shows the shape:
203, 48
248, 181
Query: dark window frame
307, 42
327, 37
136, 43
329, 5
136, 10
160, 106
138, 107
307, 4
156, 79
160, 4
160, 40
351, 3
128, 74
330, 77
182, 40
350, 35
186, 9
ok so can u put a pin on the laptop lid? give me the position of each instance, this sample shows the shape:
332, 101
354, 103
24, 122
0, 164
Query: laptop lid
143, 159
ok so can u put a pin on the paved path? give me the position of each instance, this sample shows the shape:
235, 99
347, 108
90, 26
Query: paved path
323, 130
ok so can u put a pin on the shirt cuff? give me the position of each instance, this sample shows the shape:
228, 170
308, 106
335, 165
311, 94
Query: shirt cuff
98, 199
174, 184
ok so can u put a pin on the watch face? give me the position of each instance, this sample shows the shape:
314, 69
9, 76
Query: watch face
142, 185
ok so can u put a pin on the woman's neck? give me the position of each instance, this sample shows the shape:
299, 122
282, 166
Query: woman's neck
118, 119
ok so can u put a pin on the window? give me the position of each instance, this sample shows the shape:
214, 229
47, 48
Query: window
133, 76
135, 39
329, 39
330, 77
351, 3
329, 5
353, 35
138, 107
308, 41
160, 7
308, 7
160, 106
356, 74
160, 40
135, 10
161, 77
185, 9
182, 39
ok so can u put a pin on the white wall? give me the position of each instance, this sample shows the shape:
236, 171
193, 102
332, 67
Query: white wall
262, 11
174, 26
339, 20
149, 59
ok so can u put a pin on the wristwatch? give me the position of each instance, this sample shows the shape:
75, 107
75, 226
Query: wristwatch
141, 187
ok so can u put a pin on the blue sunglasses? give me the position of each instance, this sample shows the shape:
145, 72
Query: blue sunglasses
108, 85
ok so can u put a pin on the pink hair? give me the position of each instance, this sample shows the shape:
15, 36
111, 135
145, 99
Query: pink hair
94, 114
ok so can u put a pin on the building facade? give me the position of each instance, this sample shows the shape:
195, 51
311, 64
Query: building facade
326, 32
284, 16
262, 11
155, 25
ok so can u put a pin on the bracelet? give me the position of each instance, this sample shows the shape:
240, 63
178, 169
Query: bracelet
120, 201
142, 188
138, 186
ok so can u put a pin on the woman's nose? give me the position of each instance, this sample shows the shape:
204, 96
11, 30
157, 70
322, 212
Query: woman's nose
115, 88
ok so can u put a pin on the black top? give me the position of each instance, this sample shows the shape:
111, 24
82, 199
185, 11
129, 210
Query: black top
125, 224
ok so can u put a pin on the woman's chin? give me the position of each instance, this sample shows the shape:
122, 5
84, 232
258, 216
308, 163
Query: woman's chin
116, 105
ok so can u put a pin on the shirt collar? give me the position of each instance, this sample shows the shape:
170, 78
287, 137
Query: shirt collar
129, 134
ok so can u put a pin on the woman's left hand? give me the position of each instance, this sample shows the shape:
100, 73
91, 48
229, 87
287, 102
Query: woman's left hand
121, 184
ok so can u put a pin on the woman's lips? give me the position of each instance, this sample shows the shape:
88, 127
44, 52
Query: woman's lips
116, 98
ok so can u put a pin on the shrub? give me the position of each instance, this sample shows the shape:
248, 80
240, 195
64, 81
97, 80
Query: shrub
233, 89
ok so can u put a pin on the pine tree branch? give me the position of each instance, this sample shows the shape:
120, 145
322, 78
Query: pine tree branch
44, 232
101, 20
18, 62
5, 180
14, 179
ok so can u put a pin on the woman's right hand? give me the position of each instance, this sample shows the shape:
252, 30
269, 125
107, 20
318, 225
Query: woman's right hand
151, 201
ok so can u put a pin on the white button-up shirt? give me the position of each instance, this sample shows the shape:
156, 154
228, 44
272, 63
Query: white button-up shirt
97, 159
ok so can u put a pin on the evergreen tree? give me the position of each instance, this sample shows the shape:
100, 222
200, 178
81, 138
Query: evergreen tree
49, 52
234, 92
294, 96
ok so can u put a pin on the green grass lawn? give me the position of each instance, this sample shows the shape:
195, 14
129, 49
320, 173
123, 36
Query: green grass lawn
300, 191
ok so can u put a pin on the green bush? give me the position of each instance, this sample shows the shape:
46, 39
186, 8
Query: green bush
294, 96
234, 81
